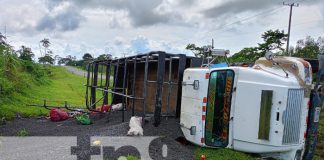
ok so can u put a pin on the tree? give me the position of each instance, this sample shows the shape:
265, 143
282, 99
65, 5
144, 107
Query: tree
245, 55
65, 61
272, 41
47, 59
104, 57
320, 43
309, 48
198, 51
45, 43
25, 53
87, 57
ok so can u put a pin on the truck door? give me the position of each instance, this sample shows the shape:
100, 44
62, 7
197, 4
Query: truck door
218, 107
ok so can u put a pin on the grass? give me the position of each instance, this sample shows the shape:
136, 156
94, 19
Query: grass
22, 133
130, 157
221, 154
319, 153
63, 86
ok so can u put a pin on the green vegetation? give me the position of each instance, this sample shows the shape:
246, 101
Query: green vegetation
63, 86
273, 40
130, 157
24, 82
319, 154
220, 154
22, 133
82, 63
16, 77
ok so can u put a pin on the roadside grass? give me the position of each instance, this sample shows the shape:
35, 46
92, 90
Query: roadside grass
220, 154
63, 86
130, 157
319, 153
22, 133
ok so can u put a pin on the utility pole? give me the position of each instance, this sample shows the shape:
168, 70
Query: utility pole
291, 6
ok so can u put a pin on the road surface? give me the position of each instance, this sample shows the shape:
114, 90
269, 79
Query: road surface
83, 73
76, 71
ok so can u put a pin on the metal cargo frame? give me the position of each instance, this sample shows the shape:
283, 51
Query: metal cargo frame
101, 73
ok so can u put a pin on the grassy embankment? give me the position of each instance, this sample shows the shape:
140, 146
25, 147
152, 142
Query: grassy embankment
60, 86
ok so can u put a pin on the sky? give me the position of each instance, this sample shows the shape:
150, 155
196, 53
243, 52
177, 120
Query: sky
128, 27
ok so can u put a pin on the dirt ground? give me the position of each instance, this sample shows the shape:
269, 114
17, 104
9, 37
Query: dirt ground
168, 130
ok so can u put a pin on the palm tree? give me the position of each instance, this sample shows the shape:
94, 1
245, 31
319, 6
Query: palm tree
45, 43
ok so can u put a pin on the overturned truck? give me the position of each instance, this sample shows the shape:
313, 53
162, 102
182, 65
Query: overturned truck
148, 84
271, 108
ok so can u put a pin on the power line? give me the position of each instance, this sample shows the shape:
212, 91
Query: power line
267, 12
251, 17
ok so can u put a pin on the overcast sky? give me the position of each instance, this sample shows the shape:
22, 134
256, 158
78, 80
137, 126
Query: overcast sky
75, 27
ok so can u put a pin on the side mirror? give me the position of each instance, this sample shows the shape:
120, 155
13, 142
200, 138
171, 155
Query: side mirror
269, 55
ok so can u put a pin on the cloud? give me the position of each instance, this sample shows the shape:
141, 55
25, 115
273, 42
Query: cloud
238, 6
234, 7
119, 41
140, 13
67, 20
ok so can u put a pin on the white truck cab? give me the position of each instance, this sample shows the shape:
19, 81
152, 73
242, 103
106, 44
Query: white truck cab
262, 109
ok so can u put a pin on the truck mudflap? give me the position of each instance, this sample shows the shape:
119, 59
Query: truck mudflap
316, 102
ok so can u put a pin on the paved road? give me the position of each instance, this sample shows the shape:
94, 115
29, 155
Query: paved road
76, 71
83, 73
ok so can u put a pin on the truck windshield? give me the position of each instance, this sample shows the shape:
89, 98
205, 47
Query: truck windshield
218, 107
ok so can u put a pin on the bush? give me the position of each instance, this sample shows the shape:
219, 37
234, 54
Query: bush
16, 75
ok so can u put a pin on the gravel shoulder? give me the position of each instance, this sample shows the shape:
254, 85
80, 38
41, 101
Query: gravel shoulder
168, 131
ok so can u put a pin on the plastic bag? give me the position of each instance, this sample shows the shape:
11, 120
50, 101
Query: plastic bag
83, 119
58, 115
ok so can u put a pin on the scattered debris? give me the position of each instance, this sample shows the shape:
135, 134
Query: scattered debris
202, 157
75, 113
104, 108
18, 115
117, 107
96, 143
58, 115
83, 119
135, 126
